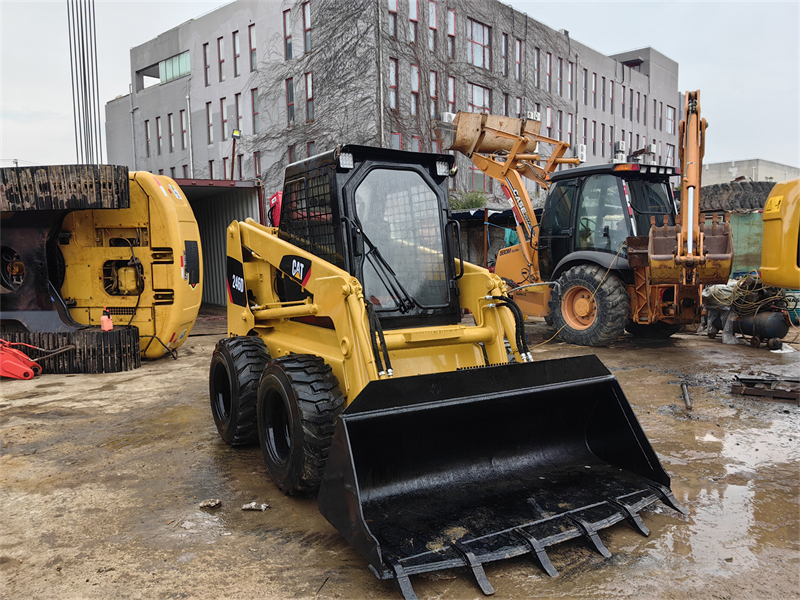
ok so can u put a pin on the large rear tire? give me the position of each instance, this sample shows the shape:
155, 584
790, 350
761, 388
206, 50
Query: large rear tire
236, 367
299, 401
587, 317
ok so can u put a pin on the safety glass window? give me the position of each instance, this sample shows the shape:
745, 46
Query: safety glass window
556, 219
601, 219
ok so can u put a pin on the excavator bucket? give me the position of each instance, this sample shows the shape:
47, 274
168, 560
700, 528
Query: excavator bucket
451, 470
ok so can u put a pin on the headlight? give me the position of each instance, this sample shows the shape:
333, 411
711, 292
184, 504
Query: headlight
346, 160
442, 168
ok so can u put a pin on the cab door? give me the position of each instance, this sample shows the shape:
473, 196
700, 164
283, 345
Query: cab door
556, 228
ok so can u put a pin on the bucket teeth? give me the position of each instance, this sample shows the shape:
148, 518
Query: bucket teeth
590, 533
631, 516
537, 550
667, 497
477, 568
403, 581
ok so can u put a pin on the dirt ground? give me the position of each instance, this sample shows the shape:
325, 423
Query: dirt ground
101, 477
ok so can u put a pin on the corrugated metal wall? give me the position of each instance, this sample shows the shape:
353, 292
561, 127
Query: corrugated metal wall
213, 215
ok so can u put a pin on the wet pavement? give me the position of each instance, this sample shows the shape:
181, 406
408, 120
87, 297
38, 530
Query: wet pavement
101, 477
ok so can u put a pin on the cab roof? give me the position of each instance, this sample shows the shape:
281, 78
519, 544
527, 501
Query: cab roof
619, 169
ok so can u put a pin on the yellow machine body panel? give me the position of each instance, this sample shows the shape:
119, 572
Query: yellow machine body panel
143, 263
780, 249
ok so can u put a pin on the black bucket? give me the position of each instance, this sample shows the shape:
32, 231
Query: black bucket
458, 469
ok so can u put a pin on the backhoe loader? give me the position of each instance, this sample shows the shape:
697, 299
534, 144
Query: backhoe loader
348, 363
611, 253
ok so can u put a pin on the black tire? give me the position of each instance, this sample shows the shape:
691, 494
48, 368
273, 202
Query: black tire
299, 401
236, 368
607, 310
654, 331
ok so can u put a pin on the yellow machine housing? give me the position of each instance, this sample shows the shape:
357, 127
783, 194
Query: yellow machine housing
143, 263
780, 247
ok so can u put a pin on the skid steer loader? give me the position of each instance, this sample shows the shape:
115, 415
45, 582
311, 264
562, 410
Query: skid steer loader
348, 362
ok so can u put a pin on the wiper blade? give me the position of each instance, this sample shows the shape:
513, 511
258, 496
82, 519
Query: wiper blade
405, 302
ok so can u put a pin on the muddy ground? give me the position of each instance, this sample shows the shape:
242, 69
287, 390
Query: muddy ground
101, 477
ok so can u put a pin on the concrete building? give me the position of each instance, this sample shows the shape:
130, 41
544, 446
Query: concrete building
298, 78
752, 170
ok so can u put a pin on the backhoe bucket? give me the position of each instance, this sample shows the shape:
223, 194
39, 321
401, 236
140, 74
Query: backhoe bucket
459, 469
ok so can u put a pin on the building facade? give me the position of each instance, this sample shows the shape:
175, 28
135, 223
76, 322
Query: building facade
297, 78
755, 169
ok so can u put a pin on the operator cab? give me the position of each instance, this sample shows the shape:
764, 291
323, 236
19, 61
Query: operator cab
382, 216
596, 208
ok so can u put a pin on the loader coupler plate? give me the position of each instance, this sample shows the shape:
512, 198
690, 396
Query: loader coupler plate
459, 469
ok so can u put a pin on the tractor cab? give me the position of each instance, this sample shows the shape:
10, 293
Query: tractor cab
595, 209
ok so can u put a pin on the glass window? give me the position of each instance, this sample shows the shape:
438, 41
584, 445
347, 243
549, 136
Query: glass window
399, 213
307, 27
479, 47
556, 220
287, 34
479, 99
601, 219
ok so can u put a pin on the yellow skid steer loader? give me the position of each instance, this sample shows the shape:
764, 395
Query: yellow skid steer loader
348, 362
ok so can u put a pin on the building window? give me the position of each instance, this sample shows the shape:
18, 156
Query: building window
223, 111
603, 94
435, 146
414, 89
611, 96
610, 141
393, 83
236, 54
251, 34
560, 126
505, 106
478, 181
432, 25
584, 132
660, 148
171, 132
655, 113
413, 17
161, 171
637, 141
548, 70
451, 94
238, 108
518, 60
393, 18
644, 110
311, 149
186, 171
416, 144
631, 106
638, 104
206, 64
289, 155
224, 167
307, 27
536, 55
661, 116
622, 114
570, 71
480, 99
519, 107
585, 87
630, 141
174, 67
594, 90
158, 135
432, 89
209, 124
183, 130
309, 97
560, 77
254, 104
147, 138
397, 141
211, 169
290, 101
602, 139
594, 138
670, 121
504, 54
479, 47
451, 33
287, 34
569, 129
548, 122
221, 57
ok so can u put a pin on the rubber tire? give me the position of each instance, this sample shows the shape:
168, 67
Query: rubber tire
655, 331
611, 299
299, 402
236, 368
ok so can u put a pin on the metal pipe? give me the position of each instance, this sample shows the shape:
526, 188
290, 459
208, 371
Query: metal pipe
286, 312
189, 115
686, 398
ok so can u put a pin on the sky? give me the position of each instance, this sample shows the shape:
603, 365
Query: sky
744, 57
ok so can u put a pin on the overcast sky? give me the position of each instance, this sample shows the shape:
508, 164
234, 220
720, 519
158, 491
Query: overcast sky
743, 56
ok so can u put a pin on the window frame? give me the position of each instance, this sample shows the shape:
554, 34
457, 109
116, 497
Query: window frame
255, 110
548, 73
451, 32
451, 94
472, 43
536, 65
237, 51
147, 137
237, 103
518, 60
396, 135
392, 5
158, 136
594, 90
184, 135
253, 49
206, 64
433, 84
221, 57
393, 75
171, 132
414, 90
306, 27
433, 25
209, 124
560, 75
223, 117
287, 34
471, 96
290, 102
309, 79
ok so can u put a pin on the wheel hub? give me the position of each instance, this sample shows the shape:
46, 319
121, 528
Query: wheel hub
583, 307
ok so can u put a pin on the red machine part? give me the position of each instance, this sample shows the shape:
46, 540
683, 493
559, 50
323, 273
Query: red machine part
274, 210
15, 363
